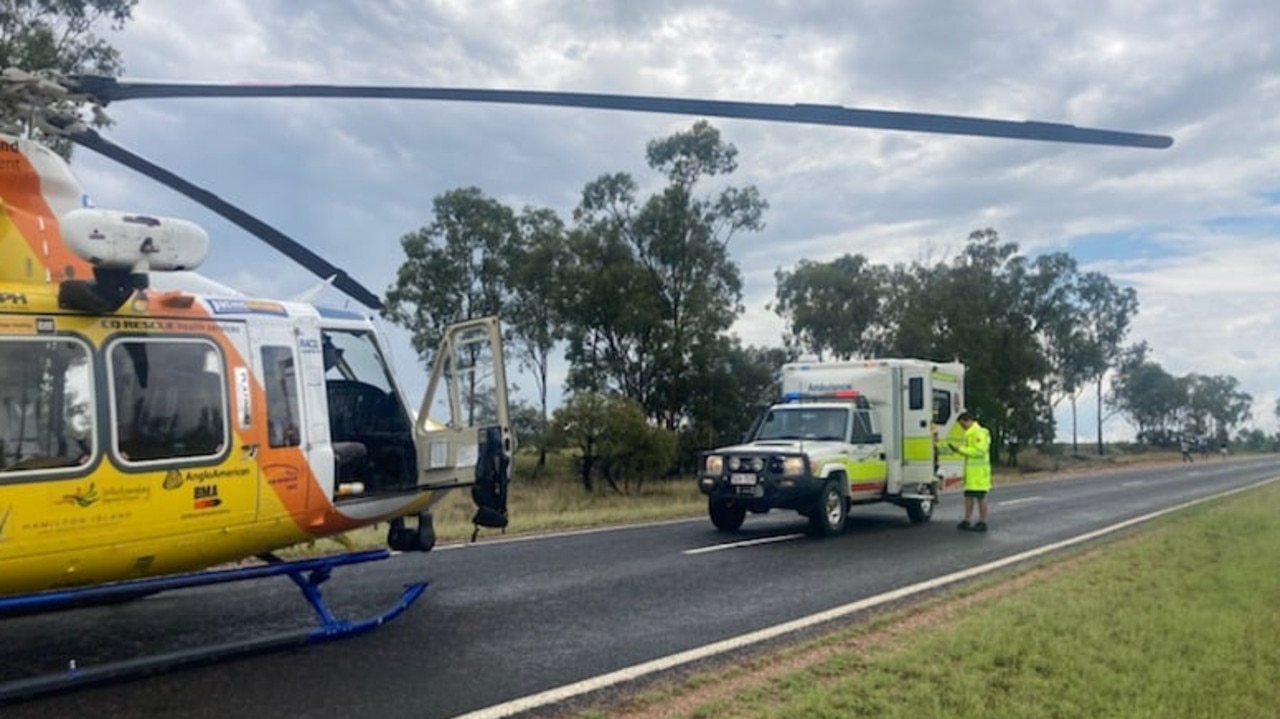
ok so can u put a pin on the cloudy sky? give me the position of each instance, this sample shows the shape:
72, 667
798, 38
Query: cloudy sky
1192, 228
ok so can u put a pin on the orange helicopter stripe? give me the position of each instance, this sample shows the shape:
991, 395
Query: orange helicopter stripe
295, 503
22, 185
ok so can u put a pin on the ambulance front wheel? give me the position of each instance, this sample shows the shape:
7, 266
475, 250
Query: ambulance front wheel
827, 517
727, 516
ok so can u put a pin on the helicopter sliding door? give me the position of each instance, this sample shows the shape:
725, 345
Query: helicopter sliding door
468, 386
283, 441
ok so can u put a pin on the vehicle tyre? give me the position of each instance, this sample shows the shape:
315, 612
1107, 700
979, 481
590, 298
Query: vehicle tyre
827, 517
727, 516
424, 537
920, 511
401, 538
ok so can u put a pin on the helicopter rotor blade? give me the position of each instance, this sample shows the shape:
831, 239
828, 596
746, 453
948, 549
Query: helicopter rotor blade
108, 89
289, 247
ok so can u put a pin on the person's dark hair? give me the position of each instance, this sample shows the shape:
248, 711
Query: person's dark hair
965, 415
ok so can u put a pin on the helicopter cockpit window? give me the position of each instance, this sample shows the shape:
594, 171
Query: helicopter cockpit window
362, 398
368, 423
168, 399
354, 356
46, 405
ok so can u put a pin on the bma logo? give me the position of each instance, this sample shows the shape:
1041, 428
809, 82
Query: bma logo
205, 496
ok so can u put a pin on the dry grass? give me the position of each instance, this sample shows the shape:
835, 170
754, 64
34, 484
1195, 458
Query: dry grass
553, 498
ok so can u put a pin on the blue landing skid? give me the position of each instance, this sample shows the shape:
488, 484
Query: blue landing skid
308, 574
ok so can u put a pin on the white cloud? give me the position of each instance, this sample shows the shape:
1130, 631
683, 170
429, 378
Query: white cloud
350, 177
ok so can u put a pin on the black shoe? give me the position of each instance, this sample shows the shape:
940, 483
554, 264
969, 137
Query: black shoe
964, 525
980, 527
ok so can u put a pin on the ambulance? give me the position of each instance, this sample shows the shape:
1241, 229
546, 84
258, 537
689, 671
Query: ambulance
844, 434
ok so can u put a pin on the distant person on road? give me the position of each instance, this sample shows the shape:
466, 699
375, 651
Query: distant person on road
977, 470
1185, 446
1223, 450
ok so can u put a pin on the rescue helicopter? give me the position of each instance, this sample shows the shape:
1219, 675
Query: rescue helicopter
156, 425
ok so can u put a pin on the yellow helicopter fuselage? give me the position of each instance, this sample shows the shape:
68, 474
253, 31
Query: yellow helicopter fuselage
106, 477
147, 432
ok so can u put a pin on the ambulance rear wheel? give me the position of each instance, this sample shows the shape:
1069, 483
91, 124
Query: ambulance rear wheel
920, 511
827, 517
726, 516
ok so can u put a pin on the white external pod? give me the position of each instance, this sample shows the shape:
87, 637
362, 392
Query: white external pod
135, 242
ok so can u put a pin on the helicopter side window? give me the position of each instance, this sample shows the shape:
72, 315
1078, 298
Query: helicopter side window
168, 399
281, 384
46, 405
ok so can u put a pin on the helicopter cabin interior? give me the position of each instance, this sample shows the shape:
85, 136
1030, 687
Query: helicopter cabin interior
369, 425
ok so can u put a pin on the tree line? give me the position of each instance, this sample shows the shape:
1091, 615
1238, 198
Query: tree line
640, 293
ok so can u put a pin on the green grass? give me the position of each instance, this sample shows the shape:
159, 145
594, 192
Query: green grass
1180, 620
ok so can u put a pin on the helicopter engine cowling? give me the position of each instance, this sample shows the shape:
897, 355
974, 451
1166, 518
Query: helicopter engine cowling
135, 243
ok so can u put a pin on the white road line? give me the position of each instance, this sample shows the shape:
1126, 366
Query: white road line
568, 691
1134, 483
1011, 502
743, 543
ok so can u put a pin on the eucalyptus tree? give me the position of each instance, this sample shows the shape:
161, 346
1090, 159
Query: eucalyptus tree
1108, 312
975, 309
1153, 400
534, 262
1052, 297
650, 280
455, 268
831, 307
59, 36
737, 383
1217, 404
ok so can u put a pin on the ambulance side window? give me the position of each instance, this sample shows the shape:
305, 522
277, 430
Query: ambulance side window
915, 393
864, 431
941, 406
280, 381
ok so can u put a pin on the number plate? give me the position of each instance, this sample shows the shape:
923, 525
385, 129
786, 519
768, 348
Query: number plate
742, 480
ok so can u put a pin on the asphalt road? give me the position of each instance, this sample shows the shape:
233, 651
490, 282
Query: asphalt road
505, 619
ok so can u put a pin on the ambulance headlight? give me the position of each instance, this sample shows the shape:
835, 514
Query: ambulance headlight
793, 466
714, 464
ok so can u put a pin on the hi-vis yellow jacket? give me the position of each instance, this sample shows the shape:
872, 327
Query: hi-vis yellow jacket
977, 458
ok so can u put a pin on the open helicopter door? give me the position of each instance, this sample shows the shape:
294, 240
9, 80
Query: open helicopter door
474, 445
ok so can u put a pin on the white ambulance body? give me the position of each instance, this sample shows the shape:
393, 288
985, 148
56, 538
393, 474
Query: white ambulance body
844, 433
